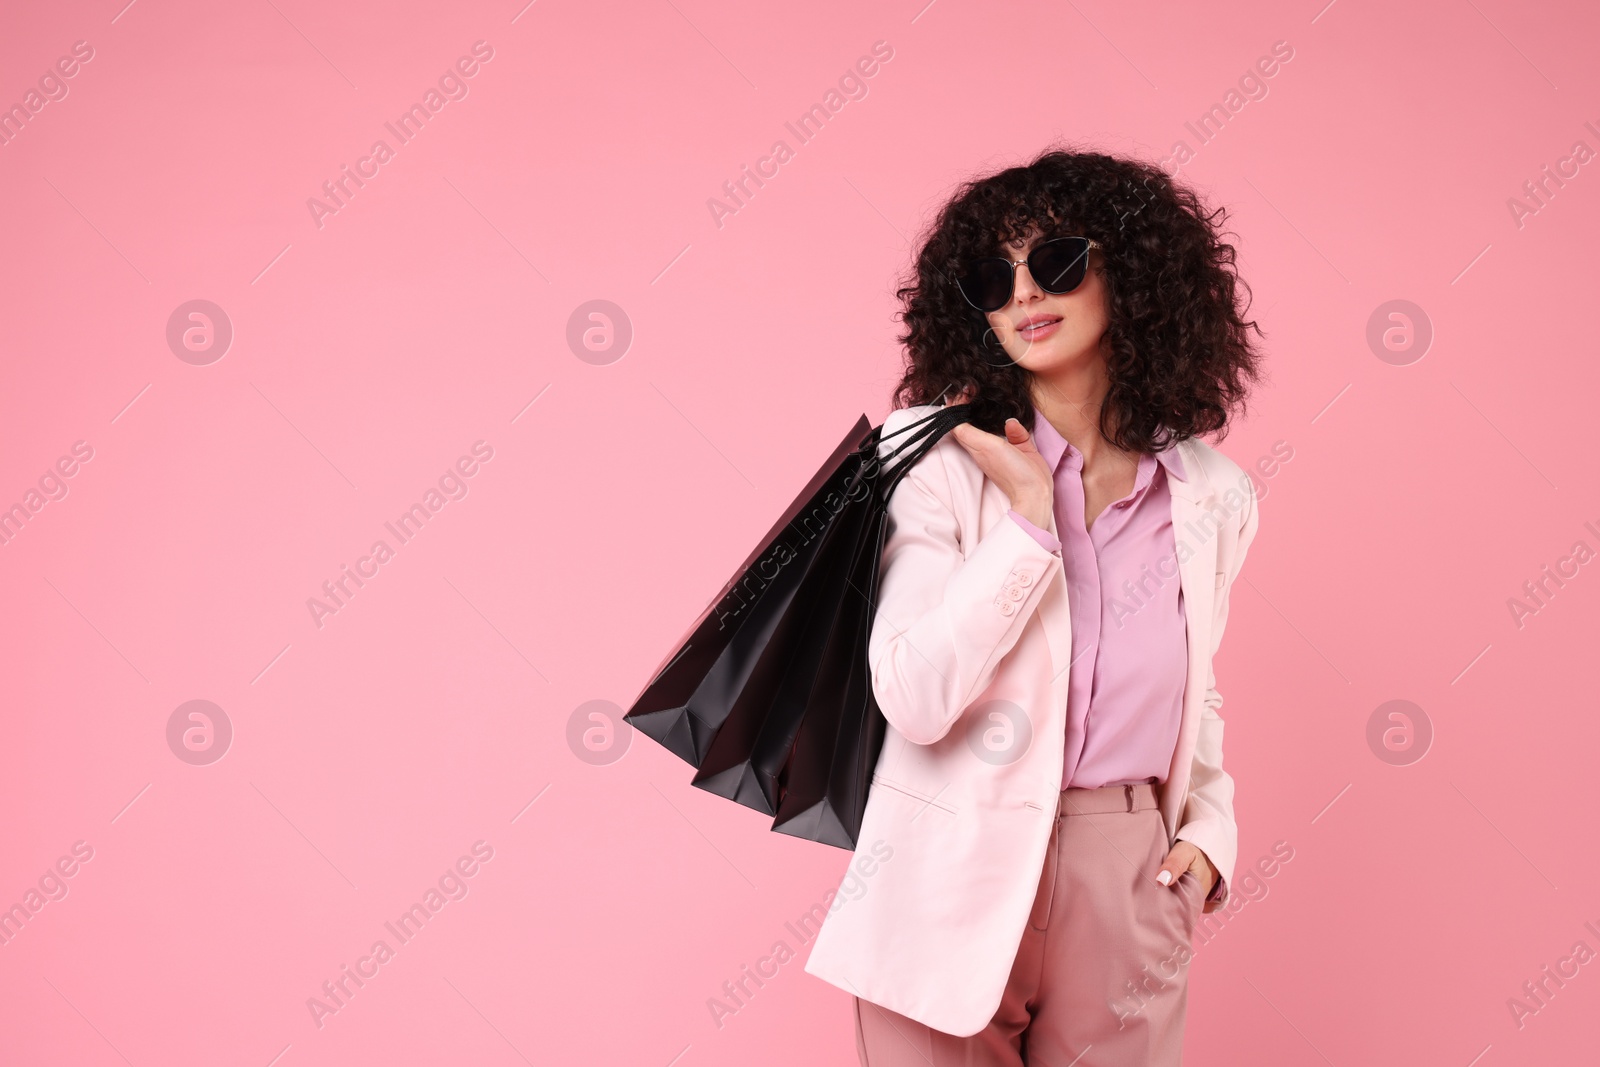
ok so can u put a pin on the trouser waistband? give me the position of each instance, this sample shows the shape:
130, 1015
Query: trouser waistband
1140, 796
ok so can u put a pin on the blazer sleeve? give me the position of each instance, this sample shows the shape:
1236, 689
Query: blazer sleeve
945, 618
1207, 819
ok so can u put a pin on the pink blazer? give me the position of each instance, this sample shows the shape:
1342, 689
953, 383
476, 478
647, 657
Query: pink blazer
972, 609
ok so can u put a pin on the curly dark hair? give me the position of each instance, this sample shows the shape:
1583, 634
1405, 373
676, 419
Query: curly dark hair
1180, 358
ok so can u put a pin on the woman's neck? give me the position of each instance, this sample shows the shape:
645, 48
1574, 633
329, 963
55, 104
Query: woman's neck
1071, 402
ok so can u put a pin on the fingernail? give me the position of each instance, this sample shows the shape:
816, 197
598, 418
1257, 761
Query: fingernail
1165, 877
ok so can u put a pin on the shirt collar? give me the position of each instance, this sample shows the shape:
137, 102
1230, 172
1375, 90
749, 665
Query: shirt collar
1052, 446
1050, 443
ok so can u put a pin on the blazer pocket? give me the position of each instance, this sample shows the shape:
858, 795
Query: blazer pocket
914, 794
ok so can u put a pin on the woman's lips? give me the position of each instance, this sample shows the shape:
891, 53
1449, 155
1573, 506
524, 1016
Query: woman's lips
1039, 330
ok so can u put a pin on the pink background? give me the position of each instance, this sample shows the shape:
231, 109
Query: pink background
431, 312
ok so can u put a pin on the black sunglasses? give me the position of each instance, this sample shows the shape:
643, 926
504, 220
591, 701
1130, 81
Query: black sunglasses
1057, 266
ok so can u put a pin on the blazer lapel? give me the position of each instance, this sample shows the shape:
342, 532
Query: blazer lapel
1195, 534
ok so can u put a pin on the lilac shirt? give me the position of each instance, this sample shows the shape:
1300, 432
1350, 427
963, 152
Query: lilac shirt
1129, 641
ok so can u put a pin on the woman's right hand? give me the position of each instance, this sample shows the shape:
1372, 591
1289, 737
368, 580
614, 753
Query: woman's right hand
1014, 464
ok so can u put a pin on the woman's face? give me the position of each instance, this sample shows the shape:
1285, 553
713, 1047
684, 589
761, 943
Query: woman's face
1046, 333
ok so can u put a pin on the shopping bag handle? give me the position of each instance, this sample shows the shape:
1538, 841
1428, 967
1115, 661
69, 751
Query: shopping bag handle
922, 426
928, 431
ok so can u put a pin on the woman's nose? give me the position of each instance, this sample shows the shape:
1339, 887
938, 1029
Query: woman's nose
1023, 287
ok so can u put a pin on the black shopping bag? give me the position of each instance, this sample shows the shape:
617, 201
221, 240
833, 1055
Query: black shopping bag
826, 779
792, 682
747, 754
693, 690
829, 773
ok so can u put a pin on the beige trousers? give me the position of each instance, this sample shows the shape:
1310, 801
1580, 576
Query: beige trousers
1101, 976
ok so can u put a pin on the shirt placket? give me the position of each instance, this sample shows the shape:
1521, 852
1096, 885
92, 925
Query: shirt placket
1083, 588
1085, 548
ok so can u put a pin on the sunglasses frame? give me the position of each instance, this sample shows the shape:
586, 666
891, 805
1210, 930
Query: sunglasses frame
1013, 264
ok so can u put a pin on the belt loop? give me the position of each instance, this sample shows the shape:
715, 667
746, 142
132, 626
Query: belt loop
1129, 790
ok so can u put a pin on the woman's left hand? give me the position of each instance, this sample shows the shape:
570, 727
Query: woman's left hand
1187, 857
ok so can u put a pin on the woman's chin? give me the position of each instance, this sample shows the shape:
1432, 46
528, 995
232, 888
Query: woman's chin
1052, 356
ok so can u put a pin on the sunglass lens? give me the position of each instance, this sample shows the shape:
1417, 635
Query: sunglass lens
987, 284
1059, 266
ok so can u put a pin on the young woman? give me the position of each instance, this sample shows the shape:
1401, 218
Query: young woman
1049, 816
